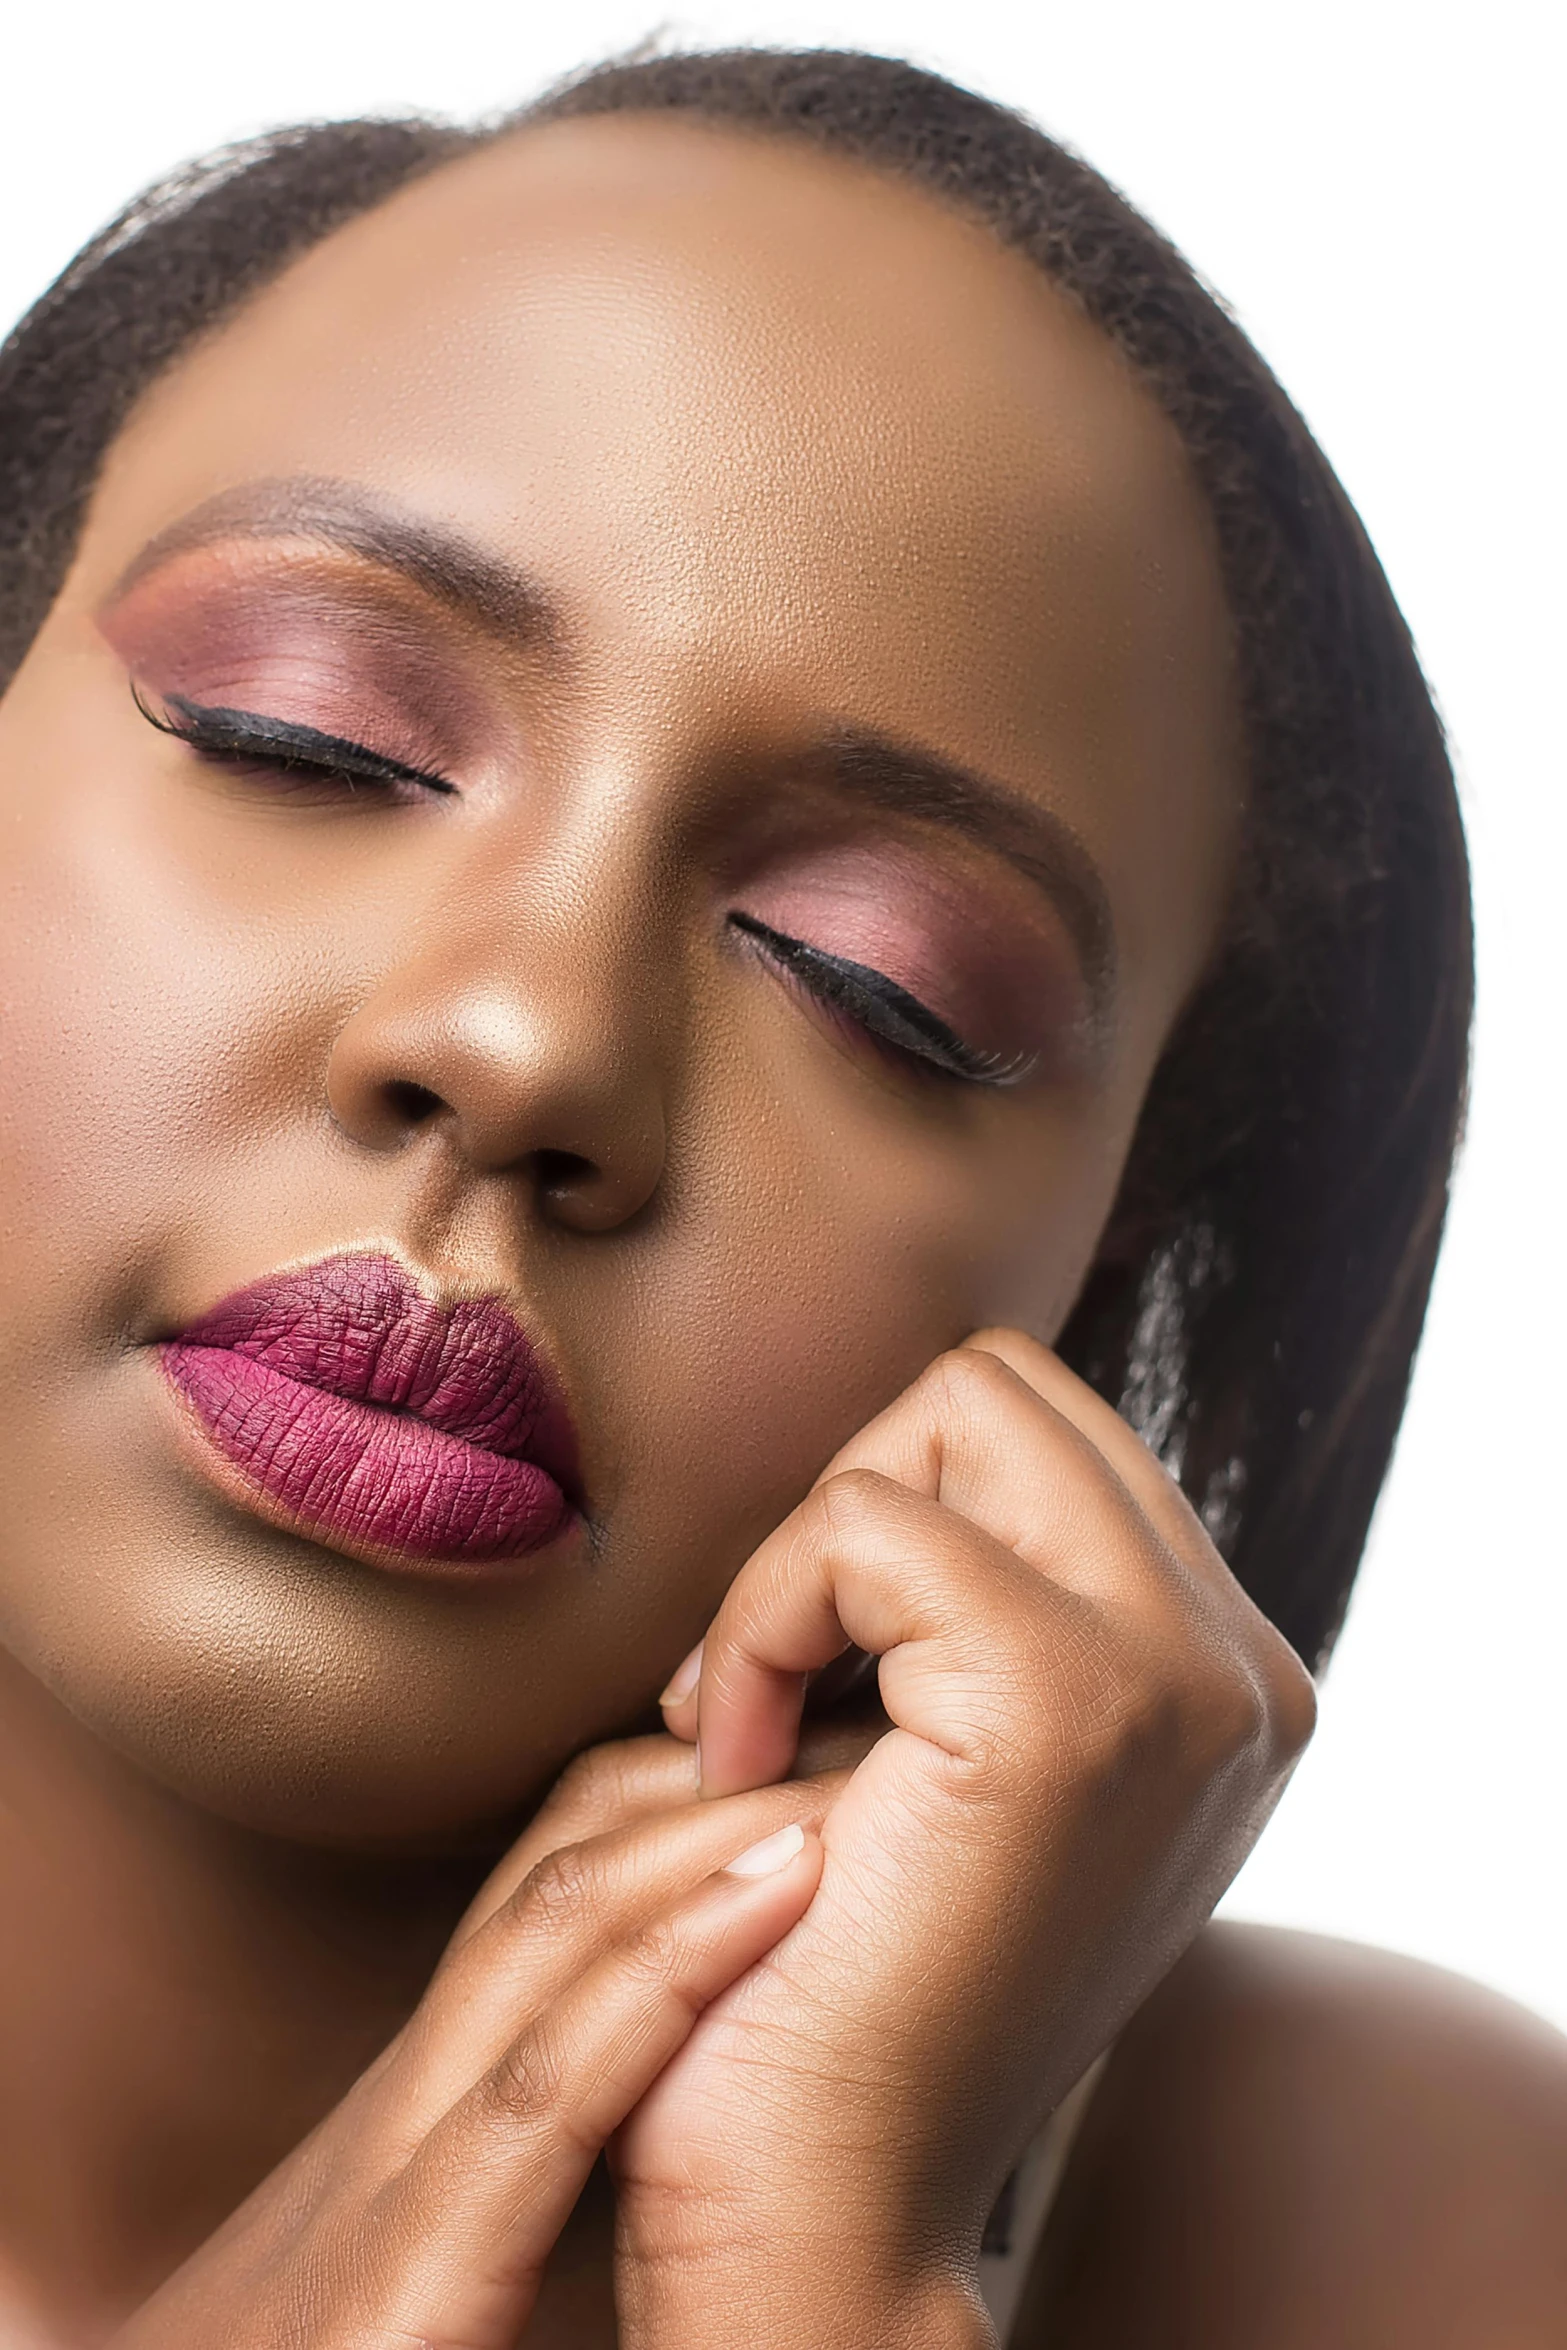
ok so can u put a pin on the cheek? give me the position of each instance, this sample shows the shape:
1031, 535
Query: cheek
144, 1020
821, 1265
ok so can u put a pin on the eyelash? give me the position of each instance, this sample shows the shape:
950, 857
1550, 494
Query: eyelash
238, 737
878, 1006
875, 1004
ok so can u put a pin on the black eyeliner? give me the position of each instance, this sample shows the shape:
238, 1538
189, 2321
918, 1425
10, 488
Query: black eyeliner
243, 734
886, 1010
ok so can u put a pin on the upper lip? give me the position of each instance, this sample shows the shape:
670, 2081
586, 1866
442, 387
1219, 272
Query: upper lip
358, 1326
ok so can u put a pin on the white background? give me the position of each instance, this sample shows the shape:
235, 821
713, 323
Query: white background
1370, 184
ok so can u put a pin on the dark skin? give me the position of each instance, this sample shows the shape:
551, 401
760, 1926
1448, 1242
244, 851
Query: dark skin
698, 528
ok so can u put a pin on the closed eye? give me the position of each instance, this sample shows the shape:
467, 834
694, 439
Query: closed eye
242, 739
881, 1008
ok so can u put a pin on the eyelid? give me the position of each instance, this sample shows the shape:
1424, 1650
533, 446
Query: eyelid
248, 733
932, 1041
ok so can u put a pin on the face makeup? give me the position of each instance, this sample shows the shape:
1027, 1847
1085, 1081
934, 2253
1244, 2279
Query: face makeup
933, 946
617, 854
362, 1411
331, 645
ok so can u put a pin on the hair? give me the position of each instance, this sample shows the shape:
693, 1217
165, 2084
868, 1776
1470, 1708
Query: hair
1256, 1307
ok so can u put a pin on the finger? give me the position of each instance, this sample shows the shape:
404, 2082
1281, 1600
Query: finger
609, 1787
950, 1612
577, 1902
629, 1780
975, 1436
976, 1440
473, 2216
1155, 1492
993, 1439
989, 1666
1139, 1469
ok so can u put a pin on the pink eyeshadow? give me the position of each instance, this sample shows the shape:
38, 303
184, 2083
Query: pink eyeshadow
972, 949
285, 646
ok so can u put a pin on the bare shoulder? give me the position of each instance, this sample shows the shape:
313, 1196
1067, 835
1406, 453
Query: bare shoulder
1302, 2141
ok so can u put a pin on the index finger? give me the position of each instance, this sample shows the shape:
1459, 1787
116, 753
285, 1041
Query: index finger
965, 1453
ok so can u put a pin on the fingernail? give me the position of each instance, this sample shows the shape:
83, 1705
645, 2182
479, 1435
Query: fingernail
685, 1680
772, 1854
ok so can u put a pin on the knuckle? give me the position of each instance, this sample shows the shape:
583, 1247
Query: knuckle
583, 1779
1158, 1723
1173, 1706
1255, 1697
850, 1501
593, 1790
526, 2082
966, 1383
684, 2222
1292, 1696
573, 1803
1180, 1718
1233, 1716
560, 1888
659, 1955
1214, 1698
1015, 1348
1002, 1756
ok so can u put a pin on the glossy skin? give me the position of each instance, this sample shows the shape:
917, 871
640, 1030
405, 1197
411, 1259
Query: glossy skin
687, 528
546, 954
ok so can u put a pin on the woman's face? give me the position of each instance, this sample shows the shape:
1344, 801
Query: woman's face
790, 795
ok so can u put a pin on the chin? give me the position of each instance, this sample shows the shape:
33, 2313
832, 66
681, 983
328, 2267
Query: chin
277, 1687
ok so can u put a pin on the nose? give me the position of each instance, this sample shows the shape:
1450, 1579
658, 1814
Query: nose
527, 1060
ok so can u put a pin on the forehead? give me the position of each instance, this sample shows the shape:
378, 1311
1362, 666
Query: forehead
748, 331
772, 424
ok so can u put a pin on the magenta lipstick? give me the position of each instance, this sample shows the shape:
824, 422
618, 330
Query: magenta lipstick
368, 1415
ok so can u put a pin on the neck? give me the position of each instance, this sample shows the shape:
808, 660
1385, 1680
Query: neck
180, 2002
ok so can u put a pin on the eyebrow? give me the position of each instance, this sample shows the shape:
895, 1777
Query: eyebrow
862, 764
907, 780
503, 598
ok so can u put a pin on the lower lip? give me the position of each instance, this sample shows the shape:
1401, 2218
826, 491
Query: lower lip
381, 1482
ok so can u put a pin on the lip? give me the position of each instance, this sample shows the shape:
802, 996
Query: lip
367, 1416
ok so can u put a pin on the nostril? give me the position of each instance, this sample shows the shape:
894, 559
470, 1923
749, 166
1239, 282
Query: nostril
411, 1105
560, 1171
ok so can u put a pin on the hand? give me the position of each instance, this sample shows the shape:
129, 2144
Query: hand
1091, 1723
423, 2208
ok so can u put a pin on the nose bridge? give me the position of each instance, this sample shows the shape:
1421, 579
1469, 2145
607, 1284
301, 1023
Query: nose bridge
523, 1013
550, 945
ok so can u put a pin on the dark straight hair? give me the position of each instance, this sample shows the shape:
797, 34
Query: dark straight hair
1257, 1303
